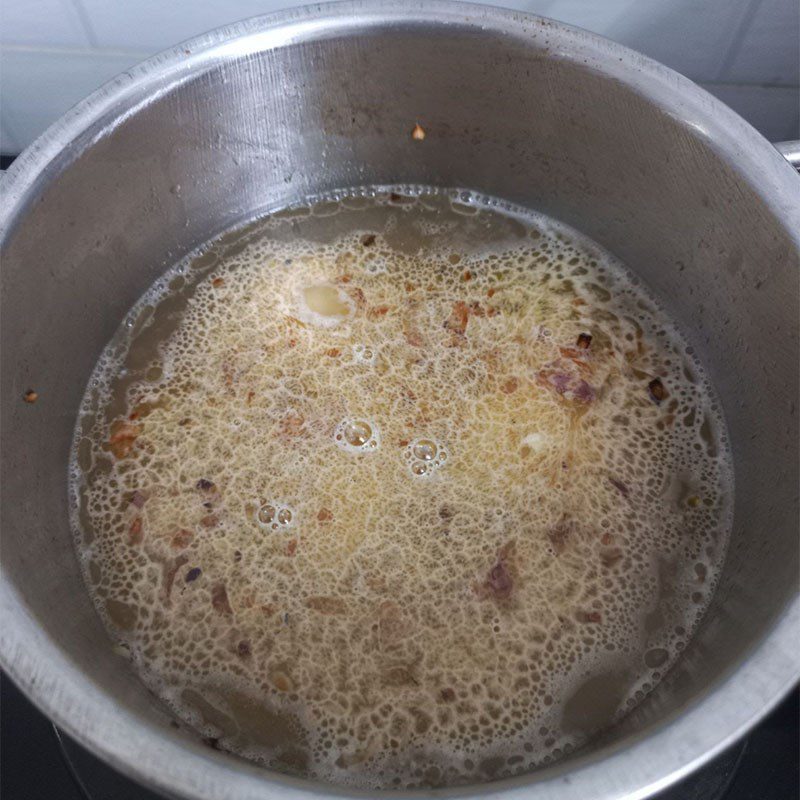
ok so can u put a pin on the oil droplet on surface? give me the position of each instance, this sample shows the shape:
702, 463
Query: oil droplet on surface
324, 305
425, 450
425, 456
266, 514
357, 435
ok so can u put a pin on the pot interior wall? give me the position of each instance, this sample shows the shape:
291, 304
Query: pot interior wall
243, 129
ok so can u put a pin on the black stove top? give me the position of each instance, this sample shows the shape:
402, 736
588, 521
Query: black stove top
38, 762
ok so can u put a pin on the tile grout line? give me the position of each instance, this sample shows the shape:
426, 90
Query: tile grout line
738, 38
86, 21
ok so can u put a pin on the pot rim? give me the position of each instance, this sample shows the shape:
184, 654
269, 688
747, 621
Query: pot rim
632, 768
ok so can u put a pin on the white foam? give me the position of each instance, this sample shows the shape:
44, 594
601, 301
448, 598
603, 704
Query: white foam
402, 625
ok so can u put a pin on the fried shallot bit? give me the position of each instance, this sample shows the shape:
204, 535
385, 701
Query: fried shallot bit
170, 571
392, 623
217, 282
656, 391
376, 312
181, 539
219, 599
584, 340
325, 515
123, 436
510, 386
30, 396
458, 319
417, 133
292, 425
327, 605
566, 384
499, 582
135, 533
333, 352
243, 649
560, 534
620, 487
138, 499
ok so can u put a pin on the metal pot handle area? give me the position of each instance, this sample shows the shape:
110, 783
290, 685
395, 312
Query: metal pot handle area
790, 151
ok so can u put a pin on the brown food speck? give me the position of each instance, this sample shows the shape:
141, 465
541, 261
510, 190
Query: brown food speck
466, 275
394, 197
490, 292
325, 515
209, 521
620, 487
219, 599
593, 617
30, 396
560, 535
368, 239
181, 539
135, 534
291, 547
212, 741
281, 681
418, 133
333, 352
204, 485
499, 580
292, 425
510, 386
657, 391
327, 605
584, 340
448, 695
217, 282
123, 437
138, 499
458, 319
243, 649
250, 395
237, 556
193, 574
376, 312
170, 571
610, 556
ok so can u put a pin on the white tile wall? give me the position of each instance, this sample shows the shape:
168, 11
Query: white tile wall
769, 45
773, 110
43, 22
54, 52
39, 85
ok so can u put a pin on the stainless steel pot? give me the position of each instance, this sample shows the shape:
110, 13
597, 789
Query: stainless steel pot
252, 116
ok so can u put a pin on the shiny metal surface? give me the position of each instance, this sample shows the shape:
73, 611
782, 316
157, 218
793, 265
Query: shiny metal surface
790, 151
252, 116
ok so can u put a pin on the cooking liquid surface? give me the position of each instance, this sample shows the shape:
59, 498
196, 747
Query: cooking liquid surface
395, 491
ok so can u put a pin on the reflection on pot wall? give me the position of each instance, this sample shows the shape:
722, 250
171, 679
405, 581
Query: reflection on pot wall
55, 52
